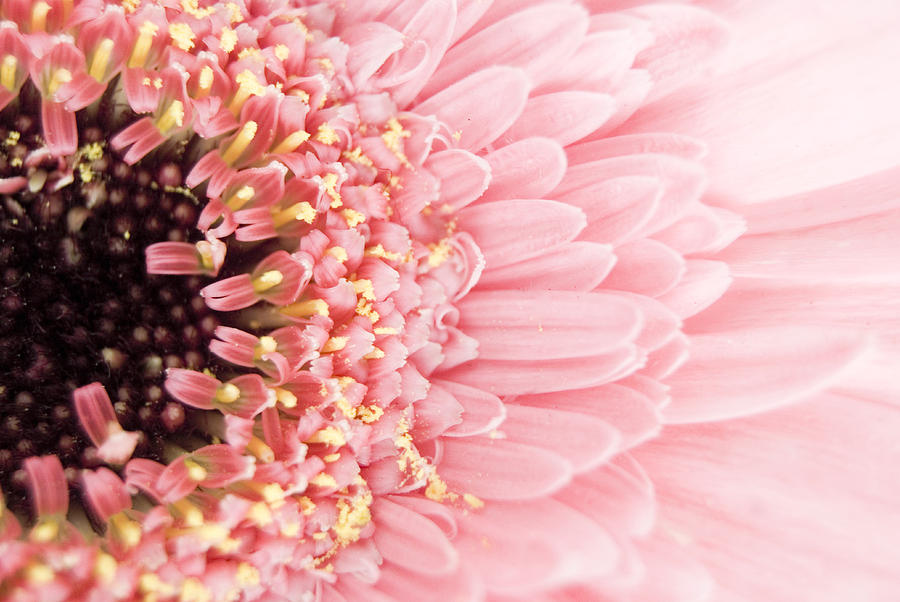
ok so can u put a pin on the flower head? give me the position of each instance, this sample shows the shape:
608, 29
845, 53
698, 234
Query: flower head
343, 300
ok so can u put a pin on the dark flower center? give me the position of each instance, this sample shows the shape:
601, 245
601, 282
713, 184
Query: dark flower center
76, 303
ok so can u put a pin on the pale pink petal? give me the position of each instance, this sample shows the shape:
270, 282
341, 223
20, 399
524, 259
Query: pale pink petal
547, 324
723, 378
529, 168
510, 231
563, 116
411, 540
481, 106
575, 266
553, 32
482, 412
703, 283
495, 469
645, 267
584, 441
463, 176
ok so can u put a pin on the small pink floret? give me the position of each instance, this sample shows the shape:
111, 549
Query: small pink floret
47, 485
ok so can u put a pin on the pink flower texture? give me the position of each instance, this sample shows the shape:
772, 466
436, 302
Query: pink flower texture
448, 300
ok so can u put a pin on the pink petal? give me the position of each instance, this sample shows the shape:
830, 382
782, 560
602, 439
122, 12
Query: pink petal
553, 33
563, 116
463, 176
409, 540
584, 441
481, 106
645, 267
634, 144
505, 377
703, 283
495, 469
528, 168
482, 412
510, 231
803, 471
723, 379
575, 266
632, 413
105, 492
547, 324
47, 486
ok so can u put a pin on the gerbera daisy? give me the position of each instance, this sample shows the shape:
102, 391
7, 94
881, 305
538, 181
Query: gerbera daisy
347, 300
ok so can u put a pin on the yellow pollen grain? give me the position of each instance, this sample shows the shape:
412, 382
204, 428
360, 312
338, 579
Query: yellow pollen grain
236, 16
39, 573
364, 308
380, 252
260, 514
335, 344
339, 253
326, 134
285, 398
369, 414
182, 35
331, 458
282, 52
385, 330
39, 16
473, 501
240, 143
356, 155
305, 309
105, 567
437, 489
272, 493
125, 530
344, 406
192, 7
393, 139
247, 574
193, 590
375, 354
290, 530
205, 79
440, 252
329, 182
173, 117
329, 435
267, 280
228, 393
319, 535
291, 142
196, 472
130, 5
352, 517
260, 450
92, 151
45, 531
325, 63
100, 60
353, 217
307, 506
148, 583
8, 70
228, 39
191, 515
146, 32
324, 480
364, 288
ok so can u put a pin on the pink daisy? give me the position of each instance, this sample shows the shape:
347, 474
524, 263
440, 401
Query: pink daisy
386, 300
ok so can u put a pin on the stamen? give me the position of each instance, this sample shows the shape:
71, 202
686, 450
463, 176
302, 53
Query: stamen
260, 450
305, 309
173, 117
248, 86
228, 393
101, 59
205, 81
285, 398
60, 77
195, 471
240, 198
267, 281
301, 211
8, 72
266, 345
291, 142
147, 32
240, 143
39, 16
